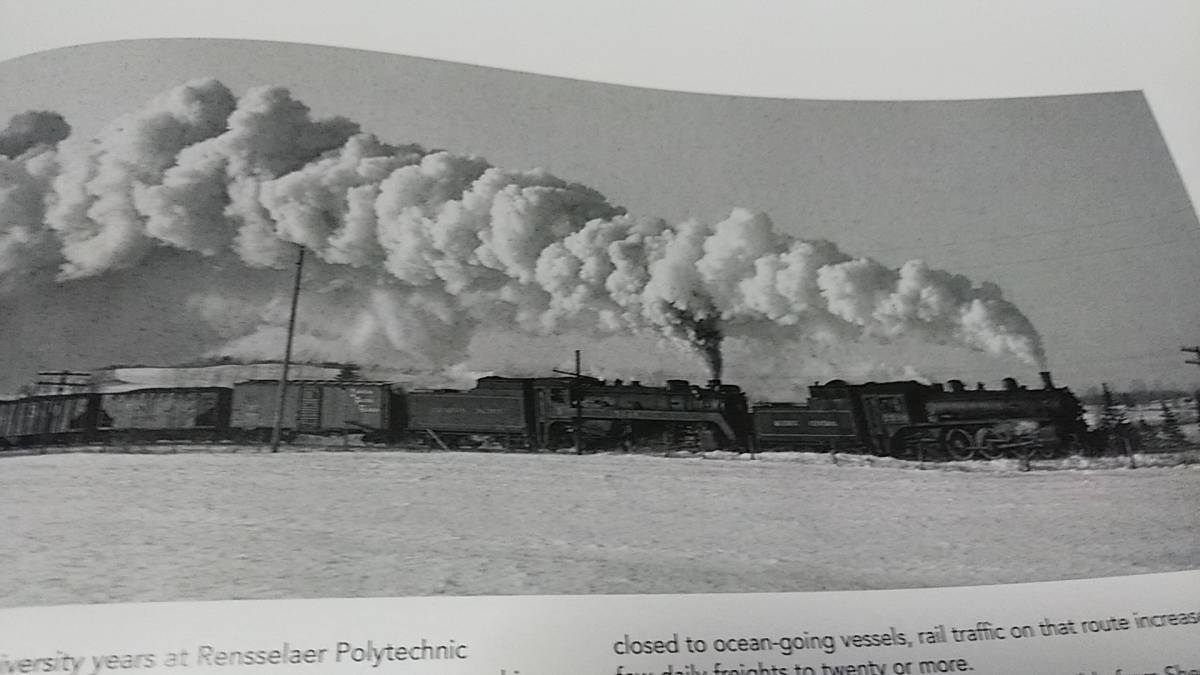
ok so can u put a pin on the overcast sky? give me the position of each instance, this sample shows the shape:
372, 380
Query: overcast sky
1072, 205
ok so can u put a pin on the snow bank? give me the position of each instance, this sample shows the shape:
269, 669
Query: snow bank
1166, 459
249, 524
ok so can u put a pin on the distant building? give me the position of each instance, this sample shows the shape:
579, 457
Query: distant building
127, 378
122, 378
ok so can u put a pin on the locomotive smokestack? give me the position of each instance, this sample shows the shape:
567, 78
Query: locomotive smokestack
714, 384
1047, 381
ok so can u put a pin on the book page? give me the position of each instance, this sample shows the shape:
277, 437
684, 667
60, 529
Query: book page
465, 339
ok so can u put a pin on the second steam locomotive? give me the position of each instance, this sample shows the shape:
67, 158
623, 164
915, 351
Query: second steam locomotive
902, 419
911, 419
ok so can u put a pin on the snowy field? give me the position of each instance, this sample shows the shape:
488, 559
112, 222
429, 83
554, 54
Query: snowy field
123, 527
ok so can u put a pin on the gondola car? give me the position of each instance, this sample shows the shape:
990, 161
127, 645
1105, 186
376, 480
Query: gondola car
163, 414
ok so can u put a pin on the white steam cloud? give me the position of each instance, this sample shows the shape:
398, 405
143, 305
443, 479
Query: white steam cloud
418, 249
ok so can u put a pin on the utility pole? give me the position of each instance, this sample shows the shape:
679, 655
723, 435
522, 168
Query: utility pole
578, 406
277, 432
576, 390
1194, 362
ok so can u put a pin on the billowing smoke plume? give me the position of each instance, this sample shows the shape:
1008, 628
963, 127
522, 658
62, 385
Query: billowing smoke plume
27, 165
31, 129
418, 249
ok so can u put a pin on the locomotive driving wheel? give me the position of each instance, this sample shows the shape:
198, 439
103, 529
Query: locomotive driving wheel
958, 444
990, 443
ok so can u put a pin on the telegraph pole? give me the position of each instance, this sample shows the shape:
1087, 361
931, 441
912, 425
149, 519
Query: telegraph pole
1194, 362
578, 405
277, 432
576, 390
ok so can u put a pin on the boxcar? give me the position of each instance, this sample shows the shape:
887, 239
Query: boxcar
50, 419
321, 407
187, 413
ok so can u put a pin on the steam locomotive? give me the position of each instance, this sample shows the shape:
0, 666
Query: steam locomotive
911, 419
904, 419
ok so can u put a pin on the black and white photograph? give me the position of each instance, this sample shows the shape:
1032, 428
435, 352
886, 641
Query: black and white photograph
282, 320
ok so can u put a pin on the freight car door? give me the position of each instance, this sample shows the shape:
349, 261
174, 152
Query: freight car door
308, 418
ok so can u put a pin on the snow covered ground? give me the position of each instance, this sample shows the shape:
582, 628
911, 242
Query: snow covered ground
123, 527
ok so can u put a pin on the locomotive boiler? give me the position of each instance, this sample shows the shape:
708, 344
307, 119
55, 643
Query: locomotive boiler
629, 414
913, 419
556, 412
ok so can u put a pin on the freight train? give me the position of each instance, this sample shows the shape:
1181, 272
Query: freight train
904, 419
